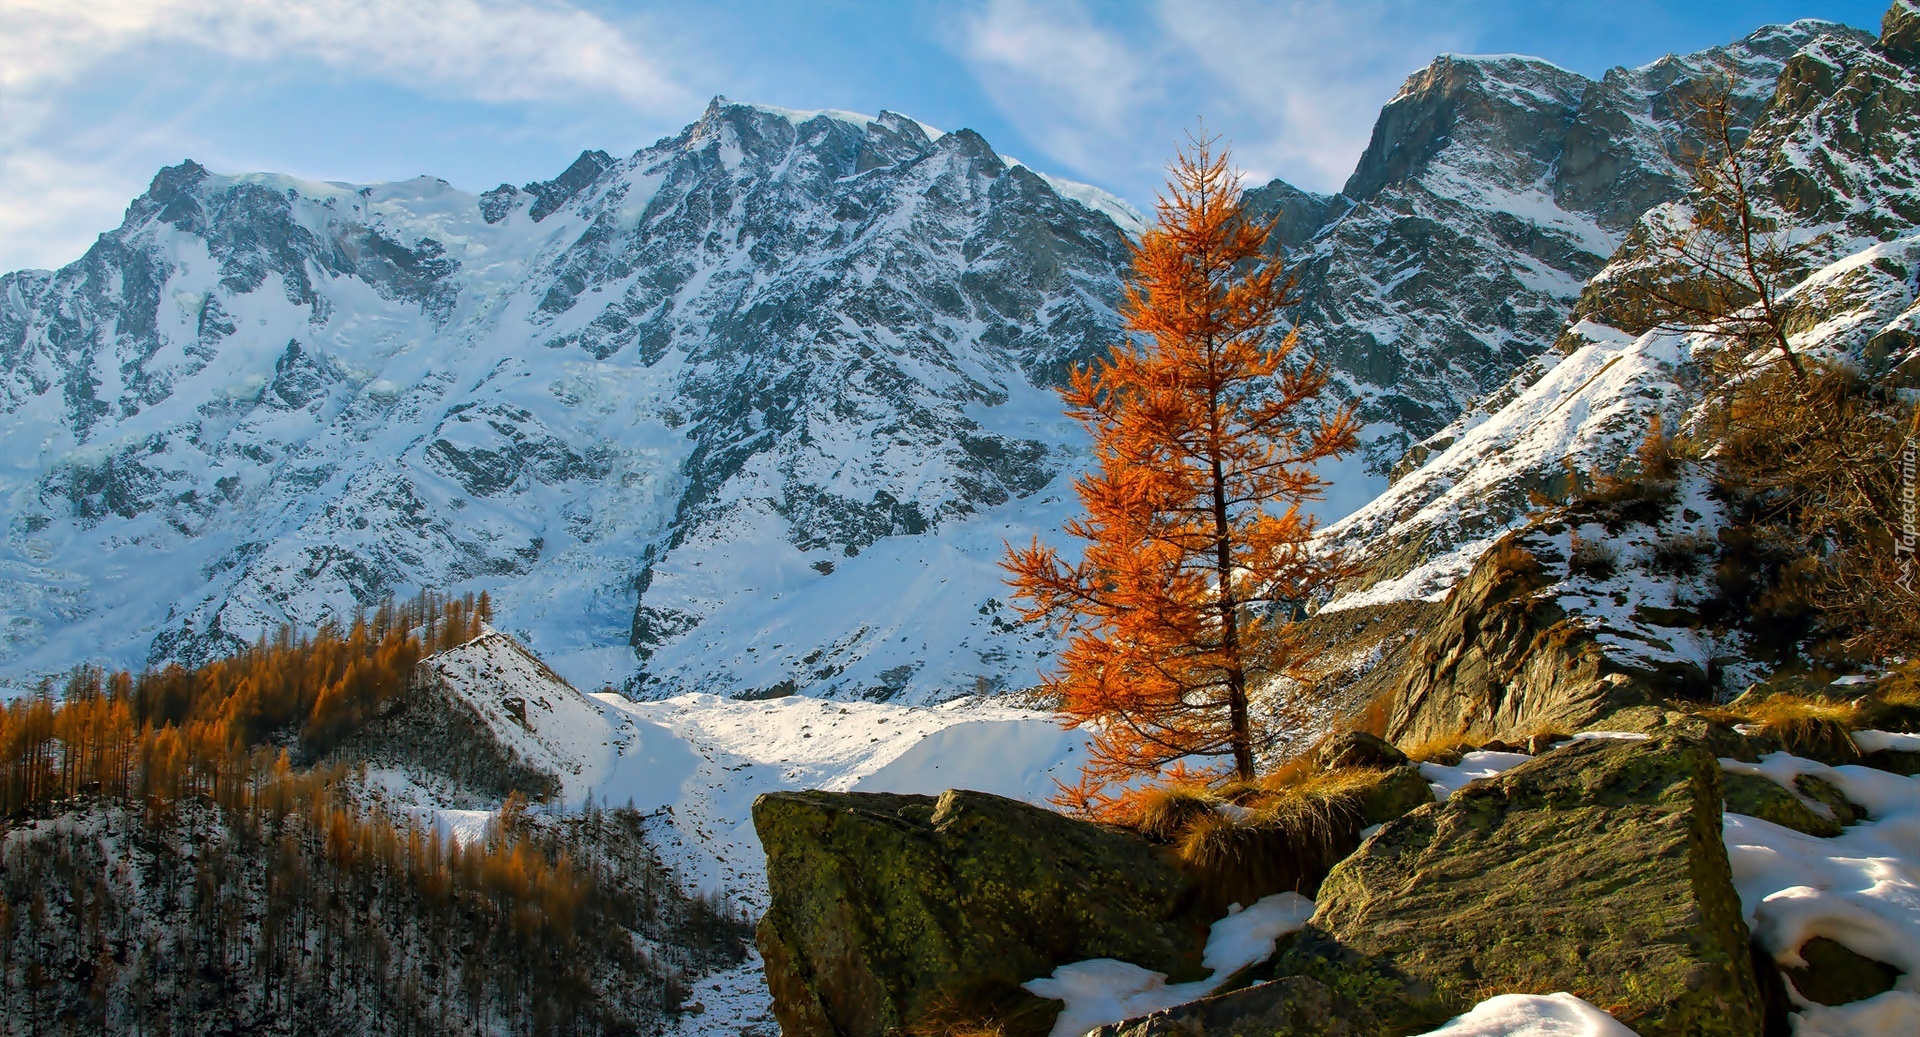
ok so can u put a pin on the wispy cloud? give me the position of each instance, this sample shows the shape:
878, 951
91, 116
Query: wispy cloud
1071, 86
1303, 81
488, 50
1294, 85
64, 176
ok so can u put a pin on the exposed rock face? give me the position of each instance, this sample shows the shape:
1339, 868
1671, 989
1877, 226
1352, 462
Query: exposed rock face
1506, 660
1291, 1005
432, 730
633, 400
887, 908
1834, 140
1598, 867
1491, 191
1835, 975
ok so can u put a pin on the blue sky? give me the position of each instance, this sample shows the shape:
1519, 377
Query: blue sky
95, 95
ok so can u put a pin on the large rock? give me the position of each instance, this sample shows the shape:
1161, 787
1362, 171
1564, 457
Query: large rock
1598, 868
1289, 1005
889, 909
1505, 660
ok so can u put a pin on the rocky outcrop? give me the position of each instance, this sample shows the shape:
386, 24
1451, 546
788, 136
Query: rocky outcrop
1598, 868
1506, 660
1360, 749
1284, 1007
1491, 190
431, 729
889, 910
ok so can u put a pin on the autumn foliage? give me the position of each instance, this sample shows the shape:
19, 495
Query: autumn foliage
288, 875
1206, 432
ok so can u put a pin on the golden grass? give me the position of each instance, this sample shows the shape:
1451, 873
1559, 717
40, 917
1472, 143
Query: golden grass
1291, 772
1373, 720
1288, 839
983, 1009
1901, 687
1812, 727
1445, 750
1164, 814
1508, 559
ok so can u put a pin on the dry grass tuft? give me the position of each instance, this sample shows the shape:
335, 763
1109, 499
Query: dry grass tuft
1288, 839
1164, 814
1901, 687
1509, 559
1291, 772
987, 1008
1815, 728
1445, 750
1373, 720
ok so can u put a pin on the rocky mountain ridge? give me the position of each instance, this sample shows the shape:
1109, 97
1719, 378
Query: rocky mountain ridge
1835, 140
1493, 188
753, 409
700, 376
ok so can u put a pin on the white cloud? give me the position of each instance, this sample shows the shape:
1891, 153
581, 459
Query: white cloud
488, 50
64, 177
1307, 77
55, 206
1072, 87
1294, 86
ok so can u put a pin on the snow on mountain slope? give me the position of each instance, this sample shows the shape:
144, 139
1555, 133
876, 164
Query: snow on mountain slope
744, 412
1586, 414
696, 762
1492, 190
634, 402
1564, 417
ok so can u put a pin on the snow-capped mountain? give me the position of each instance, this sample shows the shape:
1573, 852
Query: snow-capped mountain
1835, 144
1492, 190
663, 406
749, 411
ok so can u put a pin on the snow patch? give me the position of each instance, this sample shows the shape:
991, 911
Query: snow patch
1445, 781
1105, 990
1860, 888
1876, 741
1533, 1015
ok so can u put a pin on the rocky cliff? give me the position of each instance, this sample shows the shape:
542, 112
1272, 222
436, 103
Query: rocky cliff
1832, 139
1492, 190
750, 410
683, 389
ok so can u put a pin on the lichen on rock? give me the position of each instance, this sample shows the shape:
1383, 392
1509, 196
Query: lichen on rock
890, 910
1597, 868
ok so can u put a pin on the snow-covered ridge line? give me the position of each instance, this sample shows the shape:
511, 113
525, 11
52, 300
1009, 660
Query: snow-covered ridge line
289, 395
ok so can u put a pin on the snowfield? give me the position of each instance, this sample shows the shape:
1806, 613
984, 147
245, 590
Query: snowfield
1860, 888
695, 763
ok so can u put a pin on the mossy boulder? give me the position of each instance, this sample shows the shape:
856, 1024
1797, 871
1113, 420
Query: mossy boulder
1827, 794
1401, 791
1764, 798
1597, 868
889, 911
1360, 749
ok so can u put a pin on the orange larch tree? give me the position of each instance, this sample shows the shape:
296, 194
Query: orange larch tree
1206, 432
